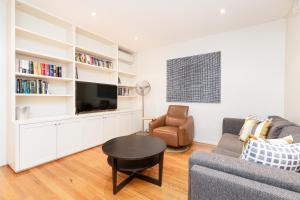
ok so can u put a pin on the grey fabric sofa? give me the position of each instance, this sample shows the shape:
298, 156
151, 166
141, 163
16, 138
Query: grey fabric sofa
223, 175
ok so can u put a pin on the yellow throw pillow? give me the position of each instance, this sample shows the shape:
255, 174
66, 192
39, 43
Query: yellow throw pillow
262, 129
246, 130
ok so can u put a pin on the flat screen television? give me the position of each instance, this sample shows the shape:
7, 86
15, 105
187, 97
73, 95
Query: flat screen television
92, 97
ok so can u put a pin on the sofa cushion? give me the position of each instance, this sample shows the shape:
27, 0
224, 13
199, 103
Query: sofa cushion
231, 142
168, 133
278, 123
226, 152
291, 130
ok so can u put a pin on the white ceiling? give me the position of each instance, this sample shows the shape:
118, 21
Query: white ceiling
161, 22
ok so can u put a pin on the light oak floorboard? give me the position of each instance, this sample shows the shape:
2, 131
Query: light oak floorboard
86, 175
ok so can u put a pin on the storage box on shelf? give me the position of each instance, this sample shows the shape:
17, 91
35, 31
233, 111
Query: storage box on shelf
53, 130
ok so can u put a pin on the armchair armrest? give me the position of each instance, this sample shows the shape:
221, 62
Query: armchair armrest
232, 125
186, 132
158, 122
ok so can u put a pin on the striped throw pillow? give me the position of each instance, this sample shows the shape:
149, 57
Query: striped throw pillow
261, 130
283, 156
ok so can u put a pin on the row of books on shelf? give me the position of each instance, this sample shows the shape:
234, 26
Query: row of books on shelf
32, 86
124, 91
33, 67
92, 60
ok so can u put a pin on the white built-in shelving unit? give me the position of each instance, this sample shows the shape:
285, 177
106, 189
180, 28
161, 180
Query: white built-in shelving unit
58, 45
42, 37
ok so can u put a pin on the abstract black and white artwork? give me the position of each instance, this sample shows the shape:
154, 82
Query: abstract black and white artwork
194, 78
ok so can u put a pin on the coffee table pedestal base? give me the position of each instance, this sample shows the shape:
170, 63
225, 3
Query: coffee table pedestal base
135, 174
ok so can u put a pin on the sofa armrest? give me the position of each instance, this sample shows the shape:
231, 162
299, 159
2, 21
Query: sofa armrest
158, 122
206, 183
186, 132
253, 171
232, 125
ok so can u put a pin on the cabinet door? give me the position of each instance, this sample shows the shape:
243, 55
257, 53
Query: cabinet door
110, 127
37, 144
136, 121
92, 132
124, 122
69, 137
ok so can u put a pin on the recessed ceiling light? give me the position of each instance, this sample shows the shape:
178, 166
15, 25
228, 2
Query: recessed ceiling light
222, 11
93, 14
136, 38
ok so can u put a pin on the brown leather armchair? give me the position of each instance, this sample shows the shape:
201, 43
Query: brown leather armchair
176, 128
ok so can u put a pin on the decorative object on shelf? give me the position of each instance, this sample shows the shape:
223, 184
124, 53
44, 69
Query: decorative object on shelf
119, 81
199, 78
143, 88
76, 73
123, 91
92, 60
32, 86
22, 113
36, 68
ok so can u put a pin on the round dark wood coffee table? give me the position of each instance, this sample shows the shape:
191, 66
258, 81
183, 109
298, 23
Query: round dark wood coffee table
131, 155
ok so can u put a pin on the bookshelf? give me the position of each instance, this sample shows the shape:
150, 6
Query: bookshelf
104, 61
43, 69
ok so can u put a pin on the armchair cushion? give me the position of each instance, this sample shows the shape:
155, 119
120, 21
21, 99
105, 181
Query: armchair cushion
158, 122
168, 133
176, 115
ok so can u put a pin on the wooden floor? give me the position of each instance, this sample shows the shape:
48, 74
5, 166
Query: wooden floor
86, 175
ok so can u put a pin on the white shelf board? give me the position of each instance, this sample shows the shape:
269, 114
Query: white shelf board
44, 95
44, 38
35, 11
130, 86
127, 73
41, 55
94, 36
87, 81
120, 96
94, 67
42, 77
46, 119
75, 116
95, 53
126, 61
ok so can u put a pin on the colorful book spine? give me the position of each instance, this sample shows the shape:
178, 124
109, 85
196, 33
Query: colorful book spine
32, 87
43, 70
35, 68
51, 70
46, 69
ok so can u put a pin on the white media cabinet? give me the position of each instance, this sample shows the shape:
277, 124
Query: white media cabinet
53, 129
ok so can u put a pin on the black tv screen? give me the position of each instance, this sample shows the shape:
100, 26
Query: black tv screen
95, 97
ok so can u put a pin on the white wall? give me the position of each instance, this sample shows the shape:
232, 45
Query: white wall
3, 65
252, 79
292, 74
